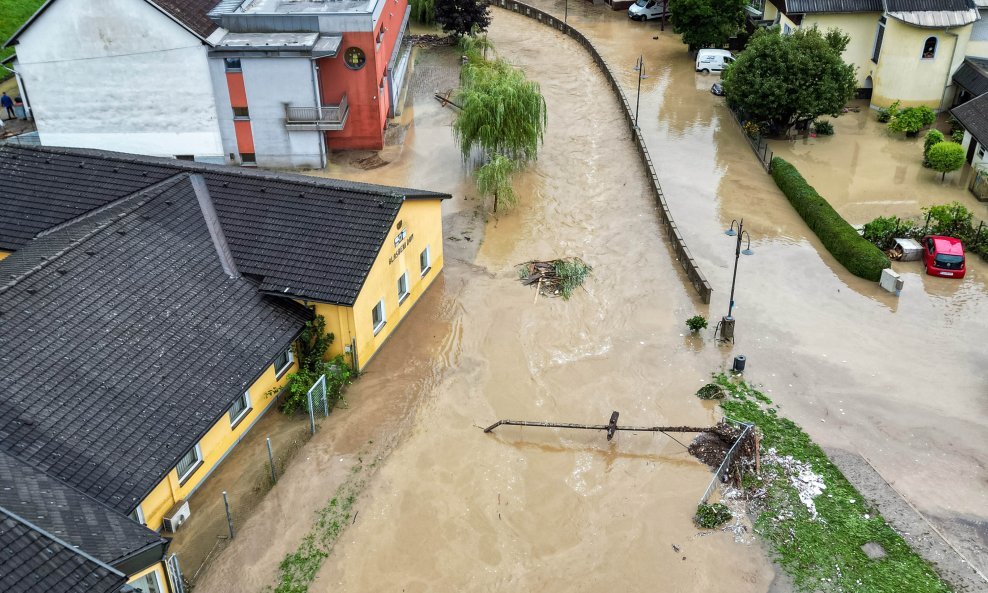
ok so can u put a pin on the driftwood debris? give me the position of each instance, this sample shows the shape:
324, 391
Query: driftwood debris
445, 100
557, 277
611, 427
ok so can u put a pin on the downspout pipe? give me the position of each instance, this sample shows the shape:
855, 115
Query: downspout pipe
318, 95
950, 66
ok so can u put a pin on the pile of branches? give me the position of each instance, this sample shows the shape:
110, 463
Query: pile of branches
432, 40
557, 277
712, 446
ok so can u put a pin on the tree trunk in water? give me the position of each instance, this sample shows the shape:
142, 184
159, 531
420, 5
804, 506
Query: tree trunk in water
495, 202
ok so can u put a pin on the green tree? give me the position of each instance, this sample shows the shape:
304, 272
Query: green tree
946, 157
790, 79
500, 111
494, 179
706, 23
463, 17
932, 137
424, 11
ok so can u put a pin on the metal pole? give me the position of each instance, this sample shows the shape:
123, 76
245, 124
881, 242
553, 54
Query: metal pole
229, 517
737, 256
566, 13
312, 414
638, 94
274, 474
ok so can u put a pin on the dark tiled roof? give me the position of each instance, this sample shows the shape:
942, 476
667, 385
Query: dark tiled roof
190, 13
127, 343
70, 515
814, 6
928, 5
973, 75
315, 237
32, 561
973, 115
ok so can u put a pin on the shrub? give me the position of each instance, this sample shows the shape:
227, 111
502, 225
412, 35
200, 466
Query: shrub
926, 115
932, 137
885, 114
957, 136
946, 157
883, 230
949, 219
823, 127
860, 257
711, 391
696, 323
709, 516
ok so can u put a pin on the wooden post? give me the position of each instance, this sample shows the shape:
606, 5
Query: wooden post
758, 453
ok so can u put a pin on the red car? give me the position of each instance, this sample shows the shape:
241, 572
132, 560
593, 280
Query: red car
943, 256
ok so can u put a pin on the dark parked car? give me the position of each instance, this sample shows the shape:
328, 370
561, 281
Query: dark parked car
717, 89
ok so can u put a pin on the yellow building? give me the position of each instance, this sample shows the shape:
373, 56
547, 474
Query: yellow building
902, 50
172, 294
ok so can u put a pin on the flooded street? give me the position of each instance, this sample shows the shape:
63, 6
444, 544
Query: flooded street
527, 509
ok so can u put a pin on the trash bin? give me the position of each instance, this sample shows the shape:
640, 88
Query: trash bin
739, 362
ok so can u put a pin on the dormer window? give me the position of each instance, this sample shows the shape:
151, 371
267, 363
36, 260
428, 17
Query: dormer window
930, 48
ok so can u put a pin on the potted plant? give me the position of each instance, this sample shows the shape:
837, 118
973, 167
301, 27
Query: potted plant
696, 323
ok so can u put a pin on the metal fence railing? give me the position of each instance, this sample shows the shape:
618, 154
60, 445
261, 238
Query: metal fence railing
720, 476
757, 142
682, 252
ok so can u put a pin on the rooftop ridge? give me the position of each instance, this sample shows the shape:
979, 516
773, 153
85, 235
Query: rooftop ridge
127, 208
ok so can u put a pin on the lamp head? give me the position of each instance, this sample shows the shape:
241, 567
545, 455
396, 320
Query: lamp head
748, 251
730, 232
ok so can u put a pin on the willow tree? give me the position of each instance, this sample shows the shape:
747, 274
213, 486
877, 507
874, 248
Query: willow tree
424, 11
494, 179
501, 112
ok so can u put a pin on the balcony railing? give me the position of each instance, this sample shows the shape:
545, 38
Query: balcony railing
321, 118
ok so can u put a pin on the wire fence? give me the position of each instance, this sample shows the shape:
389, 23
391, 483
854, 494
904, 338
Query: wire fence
722, 474
756, 141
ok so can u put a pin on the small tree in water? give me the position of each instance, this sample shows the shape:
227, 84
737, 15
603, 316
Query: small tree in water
945, 157
494, 179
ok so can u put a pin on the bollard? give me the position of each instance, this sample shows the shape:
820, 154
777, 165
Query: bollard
229, 517
739, 362
274, 474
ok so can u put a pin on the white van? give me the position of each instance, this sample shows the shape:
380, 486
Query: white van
642, 10
712, 60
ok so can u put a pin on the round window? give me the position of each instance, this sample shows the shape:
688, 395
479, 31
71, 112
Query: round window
354, 58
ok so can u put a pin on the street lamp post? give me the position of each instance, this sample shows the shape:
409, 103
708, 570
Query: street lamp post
640, 68
727, 323
566, 13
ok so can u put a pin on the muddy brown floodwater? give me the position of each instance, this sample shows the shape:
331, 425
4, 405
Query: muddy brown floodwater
522, 509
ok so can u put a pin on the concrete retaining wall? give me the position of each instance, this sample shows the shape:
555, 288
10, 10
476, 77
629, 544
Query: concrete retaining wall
683, 255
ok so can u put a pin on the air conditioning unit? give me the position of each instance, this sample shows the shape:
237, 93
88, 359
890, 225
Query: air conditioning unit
178, 515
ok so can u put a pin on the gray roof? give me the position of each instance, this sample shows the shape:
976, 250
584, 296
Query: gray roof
973, 75
973, 115
928, 5
33, 561
308, 237
816, 6
125, 341
70, 515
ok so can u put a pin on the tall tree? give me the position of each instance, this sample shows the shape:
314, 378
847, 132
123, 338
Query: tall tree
463, 17
707, 23
790, 79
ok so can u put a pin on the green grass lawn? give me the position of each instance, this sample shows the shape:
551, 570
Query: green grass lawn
13, 13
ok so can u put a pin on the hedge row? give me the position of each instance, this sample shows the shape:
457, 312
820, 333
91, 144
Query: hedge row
860, 257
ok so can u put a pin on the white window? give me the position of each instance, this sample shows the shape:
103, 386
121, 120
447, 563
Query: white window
425, 261
930, 48
148, 583
403, 288
189, 463
138, 515
284, 360
377, 316
786, 29
240, 408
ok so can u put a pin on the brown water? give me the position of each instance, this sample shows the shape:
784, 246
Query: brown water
900, 380
451, 508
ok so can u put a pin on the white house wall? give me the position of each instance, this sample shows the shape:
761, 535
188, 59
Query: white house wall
224, 113
118, 75
270, 84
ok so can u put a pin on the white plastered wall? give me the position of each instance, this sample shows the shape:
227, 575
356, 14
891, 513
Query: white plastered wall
118, 75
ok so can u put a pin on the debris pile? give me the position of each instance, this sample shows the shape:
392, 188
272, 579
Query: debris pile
432, 40
808, 484
557, 277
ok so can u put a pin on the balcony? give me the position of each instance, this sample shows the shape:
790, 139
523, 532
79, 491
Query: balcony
323, 118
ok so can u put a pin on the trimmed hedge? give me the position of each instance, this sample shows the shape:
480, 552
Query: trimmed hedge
860, 257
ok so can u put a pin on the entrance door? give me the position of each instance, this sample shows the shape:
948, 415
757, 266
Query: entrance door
970, 150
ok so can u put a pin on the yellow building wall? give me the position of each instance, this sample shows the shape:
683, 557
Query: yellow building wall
214, 445
903, 75
862, 29
770, 11
158, 568
339, 321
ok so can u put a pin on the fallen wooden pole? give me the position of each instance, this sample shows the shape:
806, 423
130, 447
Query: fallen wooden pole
446, 101
611, 427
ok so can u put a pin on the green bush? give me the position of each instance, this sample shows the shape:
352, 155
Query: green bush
823, 127
957, 136
932, 137
860, 257
709, 516
912, 119
883, 231
946, 157
885, 114
711, 391
696, 323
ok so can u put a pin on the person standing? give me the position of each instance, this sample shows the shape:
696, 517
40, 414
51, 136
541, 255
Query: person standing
7, 103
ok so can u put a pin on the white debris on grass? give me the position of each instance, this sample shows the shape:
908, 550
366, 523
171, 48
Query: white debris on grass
734, 499
808, 484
